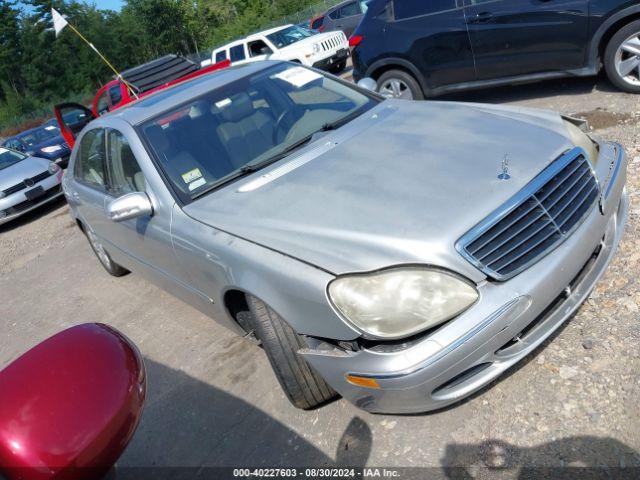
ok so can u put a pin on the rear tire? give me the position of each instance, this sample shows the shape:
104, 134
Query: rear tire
302, 385
399, 84
105, 259
623, 51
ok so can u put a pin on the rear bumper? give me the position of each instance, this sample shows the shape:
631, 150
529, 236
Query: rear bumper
327, 63
507, 323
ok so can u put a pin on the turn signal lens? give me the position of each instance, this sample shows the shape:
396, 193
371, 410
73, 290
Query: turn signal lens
362, 381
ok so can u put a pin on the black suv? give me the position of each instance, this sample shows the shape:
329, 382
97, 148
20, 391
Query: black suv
417, 48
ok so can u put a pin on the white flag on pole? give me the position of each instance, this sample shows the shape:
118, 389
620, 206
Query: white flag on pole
59, 21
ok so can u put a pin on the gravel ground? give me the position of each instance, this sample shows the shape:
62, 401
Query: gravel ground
214, 401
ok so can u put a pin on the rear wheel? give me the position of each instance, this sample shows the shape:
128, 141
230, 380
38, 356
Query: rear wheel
622, 58
302, 385
399, 84
105, 259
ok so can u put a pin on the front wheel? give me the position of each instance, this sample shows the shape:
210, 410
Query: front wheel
622, 58
105, 259
338, 67
399, 84
302, 385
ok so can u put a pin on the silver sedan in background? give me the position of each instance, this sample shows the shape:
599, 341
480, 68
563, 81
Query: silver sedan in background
26, 183
402, 254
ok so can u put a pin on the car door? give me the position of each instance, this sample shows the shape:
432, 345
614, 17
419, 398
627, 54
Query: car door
520, 37
72, 118
88, 191
433, 36
259, 50
347, 17
238, 54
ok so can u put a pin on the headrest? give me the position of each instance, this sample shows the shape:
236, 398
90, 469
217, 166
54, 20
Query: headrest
241, 107
158, 138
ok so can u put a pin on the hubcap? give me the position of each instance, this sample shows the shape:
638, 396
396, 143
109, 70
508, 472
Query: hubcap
100, 251
627, 60
395, 88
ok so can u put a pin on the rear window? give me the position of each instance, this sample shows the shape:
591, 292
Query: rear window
415, 8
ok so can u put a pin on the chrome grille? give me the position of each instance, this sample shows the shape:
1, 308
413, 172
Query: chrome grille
535, 221
22, 185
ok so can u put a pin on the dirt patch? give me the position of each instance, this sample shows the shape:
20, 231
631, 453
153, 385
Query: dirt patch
599, 119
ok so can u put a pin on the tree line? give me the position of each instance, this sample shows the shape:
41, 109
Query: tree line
37, 69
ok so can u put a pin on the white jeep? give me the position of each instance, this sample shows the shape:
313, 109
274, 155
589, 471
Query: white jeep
328, 51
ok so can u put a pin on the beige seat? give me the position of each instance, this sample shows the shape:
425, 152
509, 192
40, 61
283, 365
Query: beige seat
245, 132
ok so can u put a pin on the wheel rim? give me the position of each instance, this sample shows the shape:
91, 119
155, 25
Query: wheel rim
99, 249
627, 60
395, 88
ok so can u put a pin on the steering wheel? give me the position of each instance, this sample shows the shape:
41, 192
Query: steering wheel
276, 129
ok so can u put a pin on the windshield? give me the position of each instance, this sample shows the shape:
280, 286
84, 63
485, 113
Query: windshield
41, 135
246, 124
9, 157
289, 35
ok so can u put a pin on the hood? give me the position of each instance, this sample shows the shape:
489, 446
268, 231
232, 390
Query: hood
398, 185
18, 172
310, 41
37, 148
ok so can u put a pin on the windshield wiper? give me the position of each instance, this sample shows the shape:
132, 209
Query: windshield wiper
253, 167
250, 168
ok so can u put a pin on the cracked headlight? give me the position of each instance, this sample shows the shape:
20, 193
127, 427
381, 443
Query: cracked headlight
581, 139
400, 302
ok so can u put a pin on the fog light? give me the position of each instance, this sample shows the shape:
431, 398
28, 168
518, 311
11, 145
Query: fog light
362, 381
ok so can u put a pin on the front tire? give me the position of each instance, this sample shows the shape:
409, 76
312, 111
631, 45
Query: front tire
622, 58
302, 385
105, 259
399, 84
338, 67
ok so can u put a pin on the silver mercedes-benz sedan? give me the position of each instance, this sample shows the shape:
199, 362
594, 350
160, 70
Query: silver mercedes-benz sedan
401, 254
26, 183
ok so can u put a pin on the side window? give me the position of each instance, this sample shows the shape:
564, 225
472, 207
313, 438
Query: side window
90, 163
221, 56
125, 174
415, 8
115, 94
258, 47
349, 10
103, 103
237, 53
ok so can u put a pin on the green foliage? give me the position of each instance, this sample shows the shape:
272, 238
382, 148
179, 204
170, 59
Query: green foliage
37, 69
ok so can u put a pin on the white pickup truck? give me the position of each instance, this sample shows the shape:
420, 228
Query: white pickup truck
328, 51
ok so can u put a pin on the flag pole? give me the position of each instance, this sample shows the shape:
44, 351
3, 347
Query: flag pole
92, 46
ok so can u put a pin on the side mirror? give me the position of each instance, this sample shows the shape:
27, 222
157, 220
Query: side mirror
368, 83
131, 205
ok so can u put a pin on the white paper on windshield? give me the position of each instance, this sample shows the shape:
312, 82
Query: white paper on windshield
196, 184
223, 103
191, 175
3, 150
50, 127
298, 76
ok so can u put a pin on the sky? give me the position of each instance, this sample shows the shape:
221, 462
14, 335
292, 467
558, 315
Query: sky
102, 4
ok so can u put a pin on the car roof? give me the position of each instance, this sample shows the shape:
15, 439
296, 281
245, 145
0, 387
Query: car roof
26, 132
338, 5
163, 100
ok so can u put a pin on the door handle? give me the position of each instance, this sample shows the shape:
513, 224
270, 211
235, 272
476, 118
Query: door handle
482, 17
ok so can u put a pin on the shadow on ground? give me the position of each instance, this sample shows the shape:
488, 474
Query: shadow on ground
530, 91
189, 426
583, 457
187, 422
